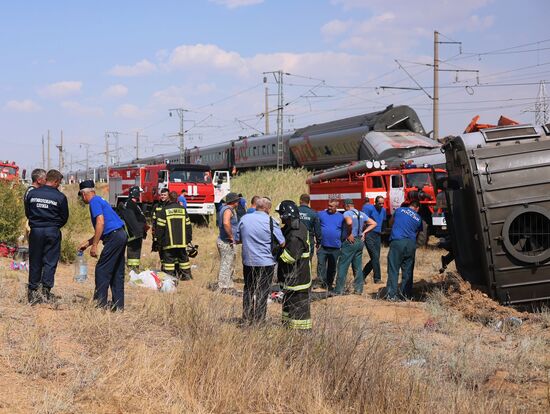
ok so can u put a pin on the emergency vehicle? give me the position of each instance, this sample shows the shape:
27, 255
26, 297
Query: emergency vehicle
202, 188
369, 179
9, 171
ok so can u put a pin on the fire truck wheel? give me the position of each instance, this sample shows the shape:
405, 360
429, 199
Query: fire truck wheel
423, 235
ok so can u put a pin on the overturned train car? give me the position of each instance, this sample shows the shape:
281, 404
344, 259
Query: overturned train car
498, 199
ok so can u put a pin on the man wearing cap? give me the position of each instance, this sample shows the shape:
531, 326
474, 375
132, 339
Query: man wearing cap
406, 223
352, 247
47, 211
226, 242
373, 239
331, 241
163, 200
136, 227
259, 235
109, 228
310, 218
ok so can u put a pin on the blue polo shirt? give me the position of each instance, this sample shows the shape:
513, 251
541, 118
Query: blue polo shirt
182, 200
255, 235
250, 210
378, 216
331, 228
100, 207
407, 223
358, 219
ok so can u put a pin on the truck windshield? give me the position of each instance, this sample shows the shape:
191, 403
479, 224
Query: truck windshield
9, 170
189, 177
418, 180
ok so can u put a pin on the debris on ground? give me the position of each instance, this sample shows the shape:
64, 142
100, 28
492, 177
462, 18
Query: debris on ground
154, 280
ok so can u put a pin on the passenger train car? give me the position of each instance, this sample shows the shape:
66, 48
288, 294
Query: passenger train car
394, 133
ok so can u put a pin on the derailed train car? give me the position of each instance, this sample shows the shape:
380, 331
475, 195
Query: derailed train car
498, 201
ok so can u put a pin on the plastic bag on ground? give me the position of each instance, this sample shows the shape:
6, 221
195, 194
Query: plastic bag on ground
153, 280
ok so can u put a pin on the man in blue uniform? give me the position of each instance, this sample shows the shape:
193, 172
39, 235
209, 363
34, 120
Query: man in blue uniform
109, 227
310, 218
182, 200
352, 247
331, 242
373, 239
406, 223
47, 211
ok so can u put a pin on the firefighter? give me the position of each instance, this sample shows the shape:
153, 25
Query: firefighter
136, 227
163, 195
293, 269
174, 233
47, 211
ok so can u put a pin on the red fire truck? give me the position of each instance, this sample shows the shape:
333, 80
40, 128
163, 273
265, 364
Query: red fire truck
200, 186
397, 185
9, 171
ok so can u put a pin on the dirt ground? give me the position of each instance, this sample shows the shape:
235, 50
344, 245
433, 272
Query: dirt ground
47, 350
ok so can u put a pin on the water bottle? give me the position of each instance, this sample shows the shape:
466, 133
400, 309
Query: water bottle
81, 268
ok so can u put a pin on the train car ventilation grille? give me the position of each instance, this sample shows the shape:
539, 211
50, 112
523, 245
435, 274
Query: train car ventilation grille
526, 234
509, 133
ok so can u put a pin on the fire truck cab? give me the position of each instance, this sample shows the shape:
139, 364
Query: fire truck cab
196, 180
398, 185
9, 171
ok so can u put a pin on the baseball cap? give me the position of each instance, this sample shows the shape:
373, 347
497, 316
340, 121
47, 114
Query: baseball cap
348, 201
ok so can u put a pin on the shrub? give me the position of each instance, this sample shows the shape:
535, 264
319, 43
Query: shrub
12, 212
68, 250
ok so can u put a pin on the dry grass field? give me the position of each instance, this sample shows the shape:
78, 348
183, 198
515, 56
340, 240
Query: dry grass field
185, 353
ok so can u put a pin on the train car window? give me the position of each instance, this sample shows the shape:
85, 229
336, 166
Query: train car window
263, 150
396, 181
273, 149
147, 176
254, 151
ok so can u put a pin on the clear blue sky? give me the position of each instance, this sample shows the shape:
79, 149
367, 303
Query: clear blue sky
88, 67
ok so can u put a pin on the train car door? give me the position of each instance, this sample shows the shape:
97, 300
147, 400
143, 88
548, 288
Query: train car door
162, 180
397, 191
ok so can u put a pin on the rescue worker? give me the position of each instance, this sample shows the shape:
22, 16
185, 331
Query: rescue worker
252, 207
352, 247
406, 223
310, 218
182, 200
373, 239
47, 210
293, 269
331, 241
108, 227
241, 207
174, 232
136, 227
163, 195
226, 242
38, 177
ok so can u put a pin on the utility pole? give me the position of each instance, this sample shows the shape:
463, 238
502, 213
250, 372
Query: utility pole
87, 146
436, 87
106, 156
278, 75
49, 159
180, 112
60, 148
115, 134
541, 106
43, 154
266, 113
137, 145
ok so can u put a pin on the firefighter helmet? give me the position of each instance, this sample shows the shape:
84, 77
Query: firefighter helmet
192, 250
134, 191
288, 210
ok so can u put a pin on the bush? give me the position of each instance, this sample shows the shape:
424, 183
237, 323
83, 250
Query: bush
68, 250
12, 211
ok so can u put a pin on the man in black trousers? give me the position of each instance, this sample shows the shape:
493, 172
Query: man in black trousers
47, 210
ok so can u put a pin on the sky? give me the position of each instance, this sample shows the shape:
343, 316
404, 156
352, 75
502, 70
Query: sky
88, 67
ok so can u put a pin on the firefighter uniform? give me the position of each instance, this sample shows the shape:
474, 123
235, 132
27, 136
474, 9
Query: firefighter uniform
47, 210
154, 227
135, 224
294, 271
174, 232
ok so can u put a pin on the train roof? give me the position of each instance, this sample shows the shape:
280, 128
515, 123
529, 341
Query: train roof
394, 118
